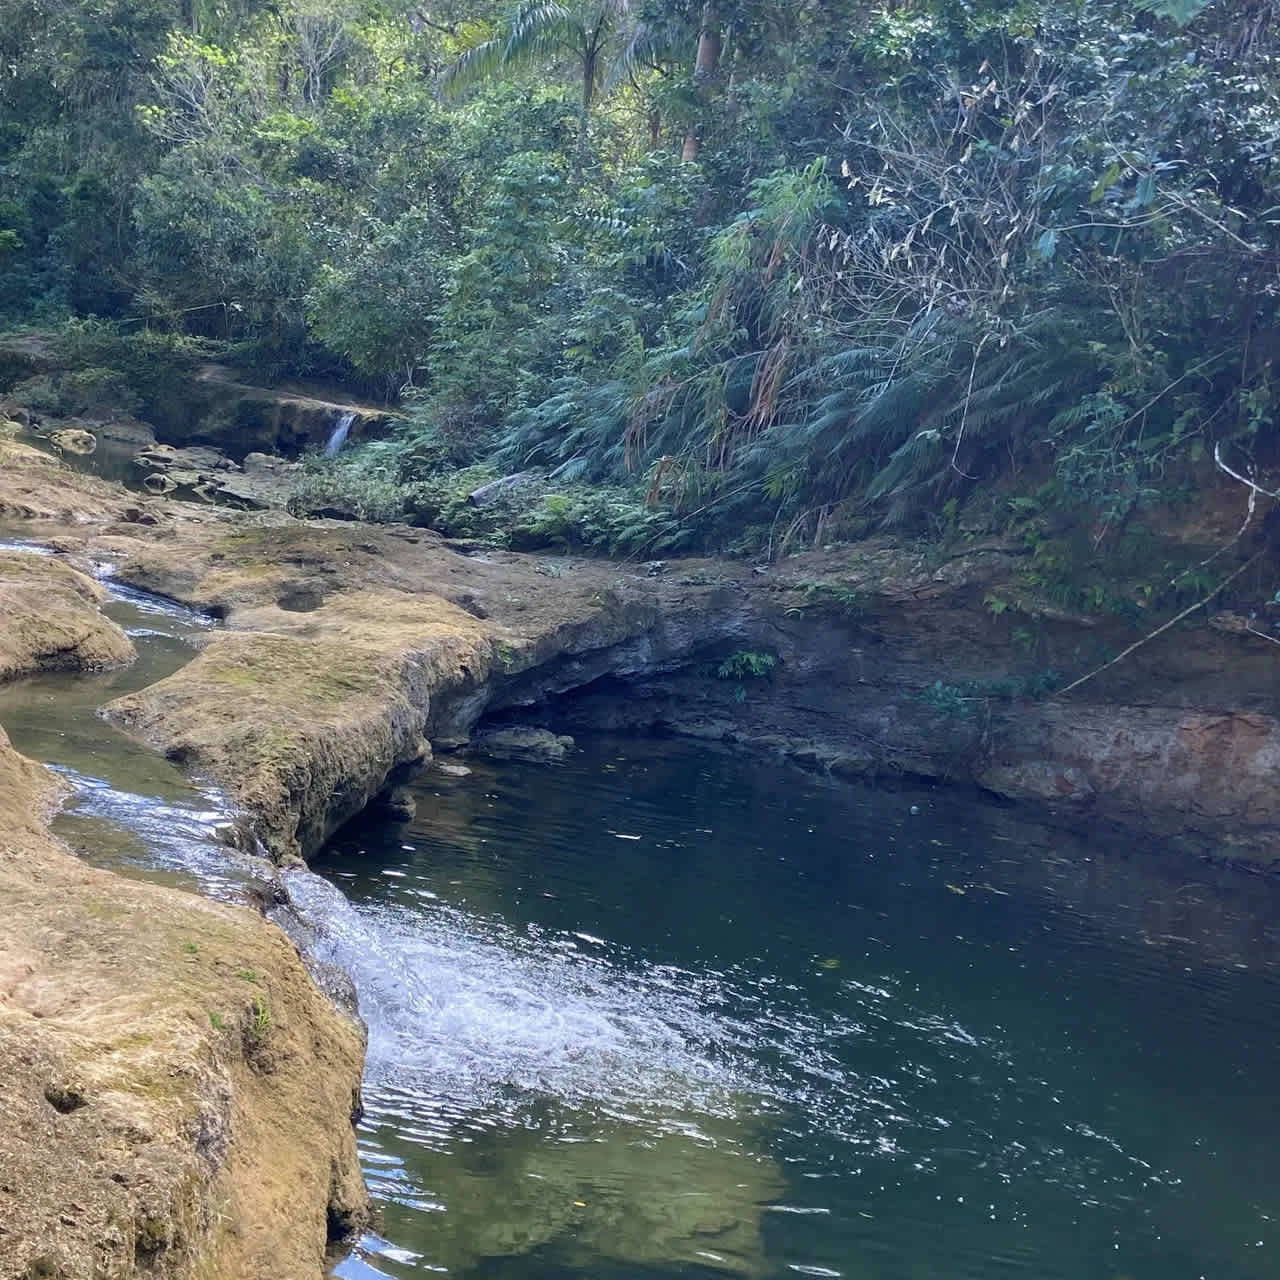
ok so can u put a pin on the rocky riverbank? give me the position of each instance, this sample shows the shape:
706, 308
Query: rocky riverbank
169, 1057
352, 651
177, 1094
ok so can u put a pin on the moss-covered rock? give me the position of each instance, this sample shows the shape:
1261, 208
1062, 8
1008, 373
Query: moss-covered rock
52, 620
159, 1114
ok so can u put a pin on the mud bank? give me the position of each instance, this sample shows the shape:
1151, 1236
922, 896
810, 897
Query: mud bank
353, 651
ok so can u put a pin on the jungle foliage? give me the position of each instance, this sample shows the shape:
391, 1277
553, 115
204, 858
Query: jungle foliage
785, 270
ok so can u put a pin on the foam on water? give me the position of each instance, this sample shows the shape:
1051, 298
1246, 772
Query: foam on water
474, 1012
183, 838
473, 1024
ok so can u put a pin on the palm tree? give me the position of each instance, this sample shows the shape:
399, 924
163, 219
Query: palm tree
603, 37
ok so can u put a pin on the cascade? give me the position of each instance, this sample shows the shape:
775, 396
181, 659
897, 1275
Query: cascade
338, 436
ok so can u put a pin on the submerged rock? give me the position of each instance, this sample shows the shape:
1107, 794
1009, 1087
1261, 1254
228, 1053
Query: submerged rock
451, 770
523, 742
703, 1203
396, 803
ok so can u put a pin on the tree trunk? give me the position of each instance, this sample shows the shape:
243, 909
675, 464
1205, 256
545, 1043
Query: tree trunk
709, 43
590, 62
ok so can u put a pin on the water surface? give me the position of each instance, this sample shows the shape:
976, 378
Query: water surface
662, 1012
128, 808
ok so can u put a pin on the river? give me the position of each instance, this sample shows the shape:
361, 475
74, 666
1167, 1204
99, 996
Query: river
664, 1011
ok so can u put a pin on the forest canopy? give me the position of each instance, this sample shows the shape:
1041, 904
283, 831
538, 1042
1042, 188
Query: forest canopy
790, 264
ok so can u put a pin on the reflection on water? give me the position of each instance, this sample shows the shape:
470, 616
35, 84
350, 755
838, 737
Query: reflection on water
661, 1012
113, 459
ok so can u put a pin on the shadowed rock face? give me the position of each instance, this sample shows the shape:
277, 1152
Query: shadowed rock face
151, 1120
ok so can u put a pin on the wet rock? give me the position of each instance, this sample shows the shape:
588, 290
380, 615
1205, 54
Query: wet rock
126, 431
396, 804
74, 440
244, 419
52, 621
523, 742
452, 770
699, 1196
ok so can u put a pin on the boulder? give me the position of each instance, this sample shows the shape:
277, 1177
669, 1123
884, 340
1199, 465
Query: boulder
256, 462
74, 440
194, 458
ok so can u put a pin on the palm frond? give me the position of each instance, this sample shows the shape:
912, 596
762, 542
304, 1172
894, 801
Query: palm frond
643, 48
531, 31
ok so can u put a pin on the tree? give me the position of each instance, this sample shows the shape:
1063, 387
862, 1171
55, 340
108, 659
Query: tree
592, 35
708, 60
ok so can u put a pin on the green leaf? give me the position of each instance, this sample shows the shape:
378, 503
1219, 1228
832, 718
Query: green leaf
1179, 11
1107, 180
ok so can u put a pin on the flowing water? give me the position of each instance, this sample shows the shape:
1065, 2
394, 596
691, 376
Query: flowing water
338, 436
129, 810
663, 1012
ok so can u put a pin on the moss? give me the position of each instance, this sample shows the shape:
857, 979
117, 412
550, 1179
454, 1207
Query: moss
52, 619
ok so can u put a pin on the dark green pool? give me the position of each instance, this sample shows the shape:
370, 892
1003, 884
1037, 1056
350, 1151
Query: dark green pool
663, 1012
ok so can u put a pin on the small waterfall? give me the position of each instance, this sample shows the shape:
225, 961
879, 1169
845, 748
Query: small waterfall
338, 436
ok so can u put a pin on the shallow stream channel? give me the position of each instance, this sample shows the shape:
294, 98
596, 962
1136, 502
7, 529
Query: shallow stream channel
660, 1011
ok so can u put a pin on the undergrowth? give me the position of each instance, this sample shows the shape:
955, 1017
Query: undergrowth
385, 481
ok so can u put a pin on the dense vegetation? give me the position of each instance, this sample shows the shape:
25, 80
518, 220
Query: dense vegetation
784, 271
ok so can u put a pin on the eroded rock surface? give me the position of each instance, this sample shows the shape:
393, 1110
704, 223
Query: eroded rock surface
348, 643
175, 1093
51, 619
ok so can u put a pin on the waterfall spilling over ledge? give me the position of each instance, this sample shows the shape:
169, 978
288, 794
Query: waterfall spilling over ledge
338, 436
